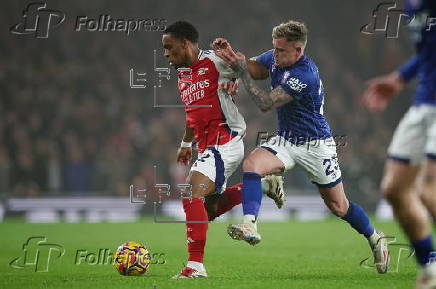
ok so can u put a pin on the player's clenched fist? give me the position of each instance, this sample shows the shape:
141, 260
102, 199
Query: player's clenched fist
184, 156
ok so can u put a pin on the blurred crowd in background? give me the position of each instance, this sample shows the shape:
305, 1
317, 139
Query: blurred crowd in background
71, 125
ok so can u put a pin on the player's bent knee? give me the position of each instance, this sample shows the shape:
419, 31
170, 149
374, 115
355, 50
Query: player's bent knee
338, 208
391, 191
249, 165
340, 211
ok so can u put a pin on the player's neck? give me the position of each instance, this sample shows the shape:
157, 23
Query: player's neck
299, 57
193, 55
296, 60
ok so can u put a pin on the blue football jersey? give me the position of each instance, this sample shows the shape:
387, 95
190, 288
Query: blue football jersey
303, 118
422, 65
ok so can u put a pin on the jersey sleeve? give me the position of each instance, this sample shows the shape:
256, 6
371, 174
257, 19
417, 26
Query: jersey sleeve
266, 58
298, 83
223, 68
409, 69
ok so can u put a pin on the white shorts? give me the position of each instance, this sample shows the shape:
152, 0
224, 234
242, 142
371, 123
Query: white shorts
219, 162
317, 157
415, 136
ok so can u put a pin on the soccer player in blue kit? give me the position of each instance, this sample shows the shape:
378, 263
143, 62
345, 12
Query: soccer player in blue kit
303, 139
414, 142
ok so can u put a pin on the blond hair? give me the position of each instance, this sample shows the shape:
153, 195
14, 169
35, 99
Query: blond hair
292, 30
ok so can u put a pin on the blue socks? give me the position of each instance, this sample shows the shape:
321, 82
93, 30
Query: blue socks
358, 219
251, 193
423, 248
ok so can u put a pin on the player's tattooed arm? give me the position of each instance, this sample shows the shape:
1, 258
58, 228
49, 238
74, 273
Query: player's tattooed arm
249, 71
260, 97
257, 70
279, 96
263, 99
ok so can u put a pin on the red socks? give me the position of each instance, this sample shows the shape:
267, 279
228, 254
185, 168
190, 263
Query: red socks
196, 232
195, 211
232, 196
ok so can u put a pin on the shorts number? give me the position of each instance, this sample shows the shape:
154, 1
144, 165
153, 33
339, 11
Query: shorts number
333, 162
202, 159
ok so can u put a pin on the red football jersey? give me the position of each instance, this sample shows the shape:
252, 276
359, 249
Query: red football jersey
212, 113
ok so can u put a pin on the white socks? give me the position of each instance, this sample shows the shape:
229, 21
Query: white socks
265, 186
250, 219
373, 239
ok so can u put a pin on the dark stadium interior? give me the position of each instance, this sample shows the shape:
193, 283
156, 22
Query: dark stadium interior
71, 125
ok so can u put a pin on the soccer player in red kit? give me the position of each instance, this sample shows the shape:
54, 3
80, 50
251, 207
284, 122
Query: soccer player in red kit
214, 122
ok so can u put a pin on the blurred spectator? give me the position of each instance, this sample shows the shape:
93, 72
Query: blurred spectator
77, 172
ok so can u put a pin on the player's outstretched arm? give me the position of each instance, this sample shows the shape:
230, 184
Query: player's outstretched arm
251, 70
380, 91
263, 99
224, 50
184, 153
257, 70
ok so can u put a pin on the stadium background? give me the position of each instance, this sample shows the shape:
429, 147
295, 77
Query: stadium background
71, 125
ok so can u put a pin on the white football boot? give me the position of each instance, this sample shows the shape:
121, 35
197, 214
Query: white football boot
189, 272
275, 189
381, 254
426, 278
246, 232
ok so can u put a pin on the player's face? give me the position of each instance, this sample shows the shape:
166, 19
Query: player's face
174, 50
286, 52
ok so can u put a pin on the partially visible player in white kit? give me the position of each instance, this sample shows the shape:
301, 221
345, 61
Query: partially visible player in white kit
214, 122
303, 138
413, 145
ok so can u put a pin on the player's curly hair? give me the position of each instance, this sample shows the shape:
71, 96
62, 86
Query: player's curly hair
292, 31
182, 30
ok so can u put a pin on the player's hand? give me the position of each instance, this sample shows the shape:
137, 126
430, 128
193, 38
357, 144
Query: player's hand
230, 87
221, 44
381, 90
224, 50
184, 156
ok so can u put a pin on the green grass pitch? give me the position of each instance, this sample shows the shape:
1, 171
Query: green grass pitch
321, 254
